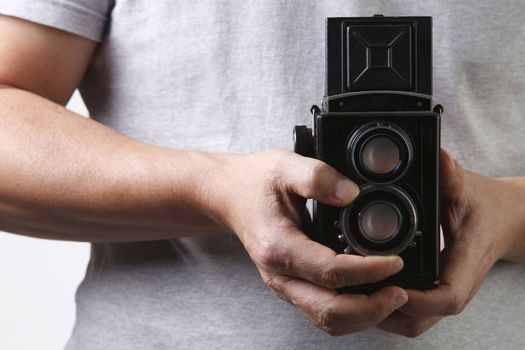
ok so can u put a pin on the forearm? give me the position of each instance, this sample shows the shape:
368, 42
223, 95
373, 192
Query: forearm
67, 177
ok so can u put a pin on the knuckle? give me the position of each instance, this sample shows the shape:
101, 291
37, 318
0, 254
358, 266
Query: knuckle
276, 174
331, 277
317, 174
271, 255
375, 316
280, 158
379, 310
275, 153
413, 330
281, 153
455, 305
276, 284
270, 281
334, 332
326, 319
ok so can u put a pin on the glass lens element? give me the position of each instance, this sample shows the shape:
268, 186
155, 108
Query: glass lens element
379, 222
380, 155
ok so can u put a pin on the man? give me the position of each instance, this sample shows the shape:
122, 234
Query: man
180, 81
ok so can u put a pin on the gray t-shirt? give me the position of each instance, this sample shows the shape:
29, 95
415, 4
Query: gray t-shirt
237, 76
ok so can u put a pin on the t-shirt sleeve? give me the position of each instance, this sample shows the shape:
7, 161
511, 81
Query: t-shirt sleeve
87, 18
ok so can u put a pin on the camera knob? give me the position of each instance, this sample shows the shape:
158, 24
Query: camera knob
303, 141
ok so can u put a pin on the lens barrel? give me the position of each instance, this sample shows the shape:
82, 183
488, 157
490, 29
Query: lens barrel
379, 152
382, 220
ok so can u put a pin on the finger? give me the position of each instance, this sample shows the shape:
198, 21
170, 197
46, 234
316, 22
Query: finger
296, 255
452, 176
407, 326
312, 178
339, 314
459, 283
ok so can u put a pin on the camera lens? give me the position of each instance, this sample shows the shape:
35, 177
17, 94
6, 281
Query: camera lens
379, 221
380, 155
379, 152
382, 220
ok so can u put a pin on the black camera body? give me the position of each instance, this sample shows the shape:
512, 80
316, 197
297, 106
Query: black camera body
378, 127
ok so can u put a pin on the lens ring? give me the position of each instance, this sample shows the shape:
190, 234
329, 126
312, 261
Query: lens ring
396, 197
389, 133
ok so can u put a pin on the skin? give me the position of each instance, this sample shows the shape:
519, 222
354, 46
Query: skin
71, 178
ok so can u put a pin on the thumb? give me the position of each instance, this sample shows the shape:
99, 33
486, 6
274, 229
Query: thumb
313, 179
452, 176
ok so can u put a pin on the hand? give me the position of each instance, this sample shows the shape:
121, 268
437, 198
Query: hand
478, 231
262, 199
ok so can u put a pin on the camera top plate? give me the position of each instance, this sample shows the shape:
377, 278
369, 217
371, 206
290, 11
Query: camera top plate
378, 53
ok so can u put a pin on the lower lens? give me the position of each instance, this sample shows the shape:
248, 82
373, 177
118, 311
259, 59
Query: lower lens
382, 220
379, 221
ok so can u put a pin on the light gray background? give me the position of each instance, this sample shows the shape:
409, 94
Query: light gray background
38, 282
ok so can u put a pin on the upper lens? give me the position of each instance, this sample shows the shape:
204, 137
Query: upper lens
379, 152
380, 155
379, 222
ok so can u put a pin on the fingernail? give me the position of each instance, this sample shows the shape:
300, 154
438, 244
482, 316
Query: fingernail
399, 300
397, 264
346, 190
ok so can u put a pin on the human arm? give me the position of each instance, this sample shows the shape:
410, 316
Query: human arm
67, 177
483, 222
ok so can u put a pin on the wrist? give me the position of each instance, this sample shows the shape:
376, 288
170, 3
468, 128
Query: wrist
180, 187
217, 185
514, 218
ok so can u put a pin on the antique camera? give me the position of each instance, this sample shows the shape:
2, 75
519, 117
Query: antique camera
377, 126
